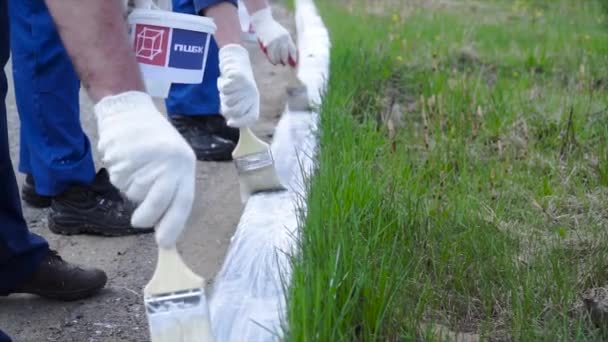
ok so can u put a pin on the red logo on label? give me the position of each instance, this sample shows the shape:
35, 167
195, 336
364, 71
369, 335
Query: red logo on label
151, 44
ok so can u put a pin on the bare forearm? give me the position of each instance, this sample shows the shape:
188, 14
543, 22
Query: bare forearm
95, 36
226, 19
255, 5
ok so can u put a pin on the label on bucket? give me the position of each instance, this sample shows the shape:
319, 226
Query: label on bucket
187, 49
180, 52
151, 44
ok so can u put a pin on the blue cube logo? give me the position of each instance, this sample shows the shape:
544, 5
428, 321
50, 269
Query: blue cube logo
187, 49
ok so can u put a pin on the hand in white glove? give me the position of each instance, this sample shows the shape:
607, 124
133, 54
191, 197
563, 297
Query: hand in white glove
274, 39
239, 96
149, 161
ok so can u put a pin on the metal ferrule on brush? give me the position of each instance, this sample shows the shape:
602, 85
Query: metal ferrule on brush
182, 300
254, 161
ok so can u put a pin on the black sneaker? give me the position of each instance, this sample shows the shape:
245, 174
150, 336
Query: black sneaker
31, 197
210, 140
216, 124
97, 209
58, 279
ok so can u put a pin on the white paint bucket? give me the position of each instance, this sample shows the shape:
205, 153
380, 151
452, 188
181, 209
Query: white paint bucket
170, 47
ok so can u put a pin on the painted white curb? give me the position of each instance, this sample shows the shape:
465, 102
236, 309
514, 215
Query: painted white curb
248, 301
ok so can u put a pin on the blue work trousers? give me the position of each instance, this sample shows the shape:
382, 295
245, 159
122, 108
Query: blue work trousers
20, 251
54, 148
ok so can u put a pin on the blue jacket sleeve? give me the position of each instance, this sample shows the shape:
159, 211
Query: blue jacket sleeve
203, 4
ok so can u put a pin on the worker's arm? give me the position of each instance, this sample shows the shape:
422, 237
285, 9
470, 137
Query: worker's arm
239, 96
226, 18
146, 157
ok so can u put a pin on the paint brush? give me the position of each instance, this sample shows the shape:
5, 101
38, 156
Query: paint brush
175, 302
255, 165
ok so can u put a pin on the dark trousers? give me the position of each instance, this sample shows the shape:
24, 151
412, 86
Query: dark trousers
3, 337
20, 251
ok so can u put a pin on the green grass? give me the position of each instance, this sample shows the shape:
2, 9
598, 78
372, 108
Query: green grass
463, 174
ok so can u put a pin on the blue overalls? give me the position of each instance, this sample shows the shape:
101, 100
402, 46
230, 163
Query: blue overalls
20, 251
54, 148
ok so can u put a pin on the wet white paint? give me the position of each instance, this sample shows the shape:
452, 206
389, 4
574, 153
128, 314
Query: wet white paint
248, 301
181, 326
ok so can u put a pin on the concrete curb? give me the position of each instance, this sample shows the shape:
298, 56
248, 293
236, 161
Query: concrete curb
248, 301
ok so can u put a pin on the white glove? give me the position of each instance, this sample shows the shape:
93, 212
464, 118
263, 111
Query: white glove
274, 39
239, 96
149, 161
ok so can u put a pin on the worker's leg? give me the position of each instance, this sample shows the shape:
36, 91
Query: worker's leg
26, 263
194, 108
55, 149
20, 251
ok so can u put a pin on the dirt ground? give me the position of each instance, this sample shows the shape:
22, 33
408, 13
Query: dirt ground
117, 313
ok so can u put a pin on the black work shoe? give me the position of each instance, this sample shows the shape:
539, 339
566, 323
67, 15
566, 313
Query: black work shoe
97, 208
199, 133
216, 124
58, 279
31, 197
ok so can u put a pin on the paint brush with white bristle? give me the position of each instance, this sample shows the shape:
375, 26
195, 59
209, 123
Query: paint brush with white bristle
175, 302
255, 165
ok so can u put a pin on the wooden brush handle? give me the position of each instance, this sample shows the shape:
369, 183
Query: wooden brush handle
248, 143
172, 274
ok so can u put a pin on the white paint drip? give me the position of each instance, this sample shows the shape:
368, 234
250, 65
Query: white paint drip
248, 302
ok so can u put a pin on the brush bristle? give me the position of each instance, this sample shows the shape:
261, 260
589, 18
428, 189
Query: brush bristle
180, 317
261, 180
177, 327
